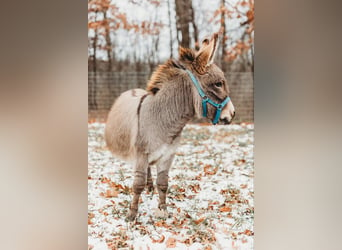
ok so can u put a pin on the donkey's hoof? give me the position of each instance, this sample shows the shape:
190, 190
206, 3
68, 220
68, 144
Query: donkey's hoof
132, 214
162, 207
161, 212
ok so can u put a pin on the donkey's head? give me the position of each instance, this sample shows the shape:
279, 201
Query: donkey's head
211, 91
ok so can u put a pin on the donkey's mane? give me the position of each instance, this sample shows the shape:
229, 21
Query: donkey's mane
171, 68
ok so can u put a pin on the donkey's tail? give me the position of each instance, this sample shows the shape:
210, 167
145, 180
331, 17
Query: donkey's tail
122, 124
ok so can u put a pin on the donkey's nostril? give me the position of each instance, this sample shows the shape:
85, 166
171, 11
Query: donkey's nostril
224, 121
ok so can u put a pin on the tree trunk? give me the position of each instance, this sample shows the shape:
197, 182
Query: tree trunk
224, 65
170, 26
194, 26
93, 104
183, 21
94, 51
108, 42
252, 55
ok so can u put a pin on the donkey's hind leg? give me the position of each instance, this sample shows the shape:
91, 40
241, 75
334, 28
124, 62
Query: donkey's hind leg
149, 180
138, 185
163, 181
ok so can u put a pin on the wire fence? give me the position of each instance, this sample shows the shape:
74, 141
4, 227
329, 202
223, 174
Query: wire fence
105, 87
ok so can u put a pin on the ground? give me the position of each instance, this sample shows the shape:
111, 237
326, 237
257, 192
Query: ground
210, 198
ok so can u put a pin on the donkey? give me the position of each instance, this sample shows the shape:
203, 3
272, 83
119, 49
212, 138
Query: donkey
144, 126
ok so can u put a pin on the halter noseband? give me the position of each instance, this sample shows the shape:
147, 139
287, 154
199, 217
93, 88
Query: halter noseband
206, 99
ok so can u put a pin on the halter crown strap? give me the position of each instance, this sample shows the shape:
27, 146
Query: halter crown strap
206, 99
197, 84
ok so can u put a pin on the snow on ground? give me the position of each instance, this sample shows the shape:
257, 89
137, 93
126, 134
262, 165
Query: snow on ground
210, 199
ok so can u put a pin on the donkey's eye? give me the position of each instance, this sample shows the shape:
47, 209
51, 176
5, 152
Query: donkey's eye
218, 84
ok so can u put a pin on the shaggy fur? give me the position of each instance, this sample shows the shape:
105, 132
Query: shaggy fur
188, 58
145, 125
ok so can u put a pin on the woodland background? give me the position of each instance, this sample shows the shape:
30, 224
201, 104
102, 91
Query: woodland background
128, 39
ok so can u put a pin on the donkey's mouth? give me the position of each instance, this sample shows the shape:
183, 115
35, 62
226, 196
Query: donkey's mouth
225, 121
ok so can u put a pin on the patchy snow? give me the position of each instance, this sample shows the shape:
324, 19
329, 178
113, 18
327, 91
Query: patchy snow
210, 199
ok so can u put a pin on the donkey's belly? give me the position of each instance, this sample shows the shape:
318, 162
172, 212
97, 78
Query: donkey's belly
122, 124
163, 153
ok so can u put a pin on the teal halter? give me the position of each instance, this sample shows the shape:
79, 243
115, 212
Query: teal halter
206, 99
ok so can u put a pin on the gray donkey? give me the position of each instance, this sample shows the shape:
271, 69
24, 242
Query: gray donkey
144, 126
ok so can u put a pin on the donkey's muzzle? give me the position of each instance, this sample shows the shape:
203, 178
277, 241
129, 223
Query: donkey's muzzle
226, 121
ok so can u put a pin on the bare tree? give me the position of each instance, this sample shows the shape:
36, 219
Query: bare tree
194, 26
170, 27
183, 19
224, 36
92, 100
95, 38
109, 46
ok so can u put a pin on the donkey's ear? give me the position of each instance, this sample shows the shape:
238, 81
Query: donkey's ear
206, 54
205, 42
186, 55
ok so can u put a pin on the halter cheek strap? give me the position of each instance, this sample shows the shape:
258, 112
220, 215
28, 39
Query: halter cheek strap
206, 99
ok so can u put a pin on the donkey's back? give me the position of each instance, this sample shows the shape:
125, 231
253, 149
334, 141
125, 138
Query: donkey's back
122, 124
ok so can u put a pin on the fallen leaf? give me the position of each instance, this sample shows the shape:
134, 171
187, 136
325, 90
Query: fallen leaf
180, 197
162, 224
225, 209
105, 180
198, 177
248, 232
210, 170
232, 202
178, 223
188, 241
171, 243
89, 221
111, 193
118, 186
159, 239
195, 188
224, 191
159, 223
200, 220
90, 216
239, 162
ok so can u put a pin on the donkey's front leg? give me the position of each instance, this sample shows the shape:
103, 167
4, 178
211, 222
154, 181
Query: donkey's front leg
138, 185
163, 181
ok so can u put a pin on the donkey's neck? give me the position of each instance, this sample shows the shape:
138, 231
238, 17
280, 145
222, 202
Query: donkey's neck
173, 107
